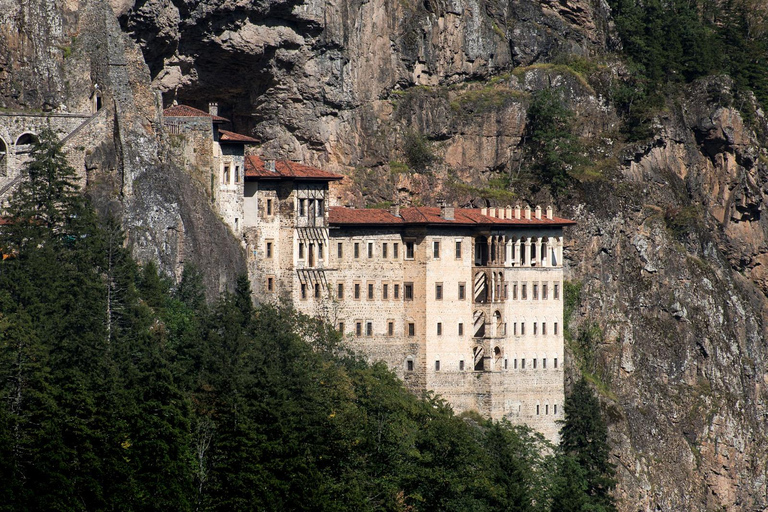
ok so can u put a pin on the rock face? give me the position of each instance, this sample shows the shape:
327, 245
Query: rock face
414, 100
56, 55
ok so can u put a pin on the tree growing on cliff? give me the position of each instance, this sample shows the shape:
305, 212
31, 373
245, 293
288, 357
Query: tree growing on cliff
554, 149
586, 476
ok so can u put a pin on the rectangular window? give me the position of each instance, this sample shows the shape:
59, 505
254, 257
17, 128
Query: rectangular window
544, 328
535, 329
535, 292
340, 291
395, 250
514, 328
369, 328
269, 207
461, 329
514, 364
301, 250
544, 363
438, 291
225, 178
524, 292
320, 208
303, 291
411, 329
357, 290
534, 363
385, 291
317, 290
390, 328
370, 250
462, 291
506, 291
384, 251
341, 327
237, 174
557, 292
396, 292
370, 291
537, 410
554, 409
358, 328
269, 250
409, 365
302, 207
357, 250
409, 250
436, 250
439, 328
437, 366
270, 284
461, 365
320, 251
555, 363
408, 291
458, 249
555, 328
544, 291
546, 409
522, 328
340, 250
506, 364
522, 364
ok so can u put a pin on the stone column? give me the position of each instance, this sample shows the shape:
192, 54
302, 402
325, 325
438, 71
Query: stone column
527, 252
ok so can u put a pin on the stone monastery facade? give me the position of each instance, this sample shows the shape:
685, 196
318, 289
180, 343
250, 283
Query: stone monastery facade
467, 303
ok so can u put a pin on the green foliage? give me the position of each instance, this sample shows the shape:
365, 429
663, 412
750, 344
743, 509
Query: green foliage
681, 221
586, 476
554, 149
487, 99
678, 41
418, 151
119, 392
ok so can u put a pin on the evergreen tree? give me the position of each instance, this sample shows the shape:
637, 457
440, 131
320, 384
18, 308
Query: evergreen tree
584, 438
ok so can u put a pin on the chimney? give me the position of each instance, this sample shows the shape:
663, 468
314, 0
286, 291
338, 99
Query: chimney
213, 108
550, 215
509, 212
538, 212
269, 164
484, 211
527, 212
395, 209
517, 211
447, 212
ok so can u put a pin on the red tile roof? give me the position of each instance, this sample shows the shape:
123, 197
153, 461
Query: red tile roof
431, 216
187, 111
284, 169
227, 136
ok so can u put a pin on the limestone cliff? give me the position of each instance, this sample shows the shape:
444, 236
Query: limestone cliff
671, 244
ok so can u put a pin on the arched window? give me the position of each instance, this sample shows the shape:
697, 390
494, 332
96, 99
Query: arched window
24, 143
3, 158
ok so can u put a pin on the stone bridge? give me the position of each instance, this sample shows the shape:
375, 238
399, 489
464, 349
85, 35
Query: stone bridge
18, 130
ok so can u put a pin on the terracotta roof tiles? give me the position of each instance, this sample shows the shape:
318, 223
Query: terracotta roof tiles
431, 216
255, 168
187, 111
227, 136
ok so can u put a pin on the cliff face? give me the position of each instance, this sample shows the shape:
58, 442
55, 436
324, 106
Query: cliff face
53, 56
671, 244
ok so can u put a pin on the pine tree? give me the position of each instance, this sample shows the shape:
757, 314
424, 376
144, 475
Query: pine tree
584, 437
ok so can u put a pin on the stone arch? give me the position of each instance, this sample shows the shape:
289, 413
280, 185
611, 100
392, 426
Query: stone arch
3, 157
96, 101
498, 324
24, 142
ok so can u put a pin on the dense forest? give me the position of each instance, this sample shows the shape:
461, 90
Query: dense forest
122, 392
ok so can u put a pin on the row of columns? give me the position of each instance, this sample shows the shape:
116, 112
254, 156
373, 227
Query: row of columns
526, 251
